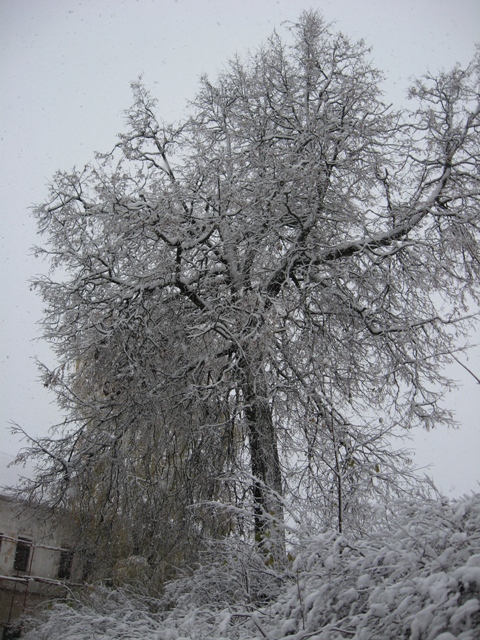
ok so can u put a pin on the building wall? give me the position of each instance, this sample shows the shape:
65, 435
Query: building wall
43, 540
44, 543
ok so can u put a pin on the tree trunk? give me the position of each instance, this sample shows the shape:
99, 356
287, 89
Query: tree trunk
265, 463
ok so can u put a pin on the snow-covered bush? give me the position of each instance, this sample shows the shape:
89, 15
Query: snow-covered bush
416, 576
232, 573
99, 614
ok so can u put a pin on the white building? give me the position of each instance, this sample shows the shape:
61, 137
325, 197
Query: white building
35, 555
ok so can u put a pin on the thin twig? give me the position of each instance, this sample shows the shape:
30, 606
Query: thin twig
466, 368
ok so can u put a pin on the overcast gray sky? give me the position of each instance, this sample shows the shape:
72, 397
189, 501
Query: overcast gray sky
65, 70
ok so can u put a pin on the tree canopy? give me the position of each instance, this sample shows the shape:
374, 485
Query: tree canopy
248, 303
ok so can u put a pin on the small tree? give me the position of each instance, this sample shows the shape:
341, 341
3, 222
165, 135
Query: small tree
244, 292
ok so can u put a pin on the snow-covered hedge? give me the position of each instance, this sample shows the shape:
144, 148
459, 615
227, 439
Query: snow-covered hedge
415, 576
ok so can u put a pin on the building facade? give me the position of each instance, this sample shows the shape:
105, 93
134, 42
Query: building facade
36, 559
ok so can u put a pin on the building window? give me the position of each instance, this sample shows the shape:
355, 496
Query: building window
65, 564
22, 554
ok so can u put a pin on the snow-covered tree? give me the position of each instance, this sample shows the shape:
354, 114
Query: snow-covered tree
249, 302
